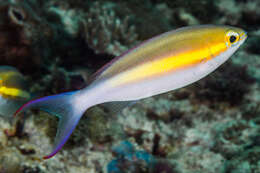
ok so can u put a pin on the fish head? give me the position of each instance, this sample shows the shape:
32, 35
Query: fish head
222, 41
234, 37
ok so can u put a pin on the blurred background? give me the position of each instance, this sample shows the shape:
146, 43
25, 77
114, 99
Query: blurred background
211, 126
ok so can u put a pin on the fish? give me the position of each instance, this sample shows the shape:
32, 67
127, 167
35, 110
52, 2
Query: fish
13, 93
163, 63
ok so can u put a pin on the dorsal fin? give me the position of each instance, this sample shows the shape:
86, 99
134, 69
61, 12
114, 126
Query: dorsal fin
107, 65
102, 69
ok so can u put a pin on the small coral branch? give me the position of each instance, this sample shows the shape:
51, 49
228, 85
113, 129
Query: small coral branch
105, 32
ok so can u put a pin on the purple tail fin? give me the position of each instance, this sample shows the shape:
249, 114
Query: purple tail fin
60, 105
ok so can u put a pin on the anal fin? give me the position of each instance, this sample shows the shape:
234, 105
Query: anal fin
117, 107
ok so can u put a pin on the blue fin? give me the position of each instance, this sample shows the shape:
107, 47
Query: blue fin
60, 105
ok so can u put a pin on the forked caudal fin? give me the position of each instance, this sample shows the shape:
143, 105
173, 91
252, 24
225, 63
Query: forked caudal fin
62, 106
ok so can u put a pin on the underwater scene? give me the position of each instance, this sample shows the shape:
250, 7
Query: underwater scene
129, 86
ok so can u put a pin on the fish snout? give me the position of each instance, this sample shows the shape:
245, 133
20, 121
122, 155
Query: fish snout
243, 36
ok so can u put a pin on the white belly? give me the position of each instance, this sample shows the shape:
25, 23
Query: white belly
165, 83
102, 91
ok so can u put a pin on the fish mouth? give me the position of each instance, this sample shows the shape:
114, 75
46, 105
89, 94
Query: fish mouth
243, 36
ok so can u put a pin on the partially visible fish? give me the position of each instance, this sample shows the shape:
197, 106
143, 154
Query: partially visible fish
13, 92
166, 62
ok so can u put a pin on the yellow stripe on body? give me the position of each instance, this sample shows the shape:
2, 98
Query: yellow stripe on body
14, 92
166, 64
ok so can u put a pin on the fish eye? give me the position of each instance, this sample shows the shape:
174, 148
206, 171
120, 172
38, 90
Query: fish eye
231, 38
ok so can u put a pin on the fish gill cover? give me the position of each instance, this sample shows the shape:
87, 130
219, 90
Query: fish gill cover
211, 126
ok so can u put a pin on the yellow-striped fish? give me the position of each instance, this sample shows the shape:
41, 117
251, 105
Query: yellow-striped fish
166, 62
13, 92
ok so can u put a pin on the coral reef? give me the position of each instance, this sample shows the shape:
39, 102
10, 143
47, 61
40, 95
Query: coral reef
17, 34
211, 126
107, 33
136, 161
229, 83
129, 159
